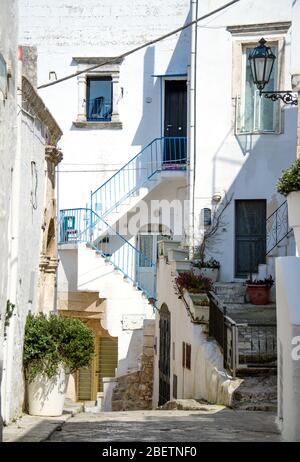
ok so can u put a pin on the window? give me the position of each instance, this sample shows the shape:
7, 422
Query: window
174, 386
99, 99
251, 113
257, 114
186, 355
99, 93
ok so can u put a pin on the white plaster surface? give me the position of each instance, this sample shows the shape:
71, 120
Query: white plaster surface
206, 379
288, 321
247, 166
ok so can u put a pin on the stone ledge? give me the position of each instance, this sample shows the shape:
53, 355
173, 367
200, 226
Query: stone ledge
99, 125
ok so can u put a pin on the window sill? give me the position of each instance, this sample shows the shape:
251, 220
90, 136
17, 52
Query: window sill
99, 125
257, 133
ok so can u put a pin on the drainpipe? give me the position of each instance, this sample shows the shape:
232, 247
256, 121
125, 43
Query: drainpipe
192, 128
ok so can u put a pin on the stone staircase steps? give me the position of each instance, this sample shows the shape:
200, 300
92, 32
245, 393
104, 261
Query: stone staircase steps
256, 394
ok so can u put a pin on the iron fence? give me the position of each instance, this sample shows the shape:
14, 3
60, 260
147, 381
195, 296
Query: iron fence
244, 345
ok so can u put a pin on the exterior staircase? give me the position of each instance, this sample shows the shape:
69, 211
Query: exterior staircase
113, 199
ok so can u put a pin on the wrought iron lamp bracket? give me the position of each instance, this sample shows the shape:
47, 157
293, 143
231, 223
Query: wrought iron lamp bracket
288, 97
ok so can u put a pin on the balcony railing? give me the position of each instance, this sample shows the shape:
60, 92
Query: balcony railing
161, 154
277, 227
98, 109
244, 345
85, 226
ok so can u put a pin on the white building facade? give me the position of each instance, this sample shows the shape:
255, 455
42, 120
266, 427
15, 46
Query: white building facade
125, 140
253, 138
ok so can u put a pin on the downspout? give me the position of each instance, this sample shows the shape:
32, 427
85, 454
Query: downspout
192, 129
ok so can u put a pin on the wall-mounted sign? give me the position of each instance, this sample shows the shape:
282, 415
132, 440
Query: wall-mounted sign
132, 321
3, 76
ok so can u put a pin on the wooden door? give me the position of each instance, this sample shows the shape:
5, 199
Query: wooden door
250, 236
175, 121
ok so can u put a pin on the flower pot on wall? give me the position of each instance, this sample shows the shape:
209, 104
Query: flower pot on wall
293, 200
46, 396
258, 294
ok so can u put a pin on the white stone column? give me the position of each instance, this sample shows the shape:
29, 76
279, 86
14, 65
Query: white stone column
81, 117
115, 92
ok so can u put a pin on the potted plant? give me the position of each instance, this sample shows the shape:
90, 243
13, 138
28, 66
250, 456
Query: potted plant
54, 347
193, 283
209, 268
289, 186
259, 290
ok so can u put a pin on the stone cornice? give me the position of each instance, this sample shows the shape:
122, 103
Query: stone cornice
48, 264
98, 60
41, 111
53, 154
265, 28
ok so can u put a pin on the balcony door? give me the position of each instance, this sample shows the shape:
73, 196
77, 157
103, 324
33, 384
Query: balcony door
175, 122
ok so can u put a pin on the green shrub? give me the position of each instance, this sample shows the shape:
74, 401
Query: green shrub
53, 340
290, 179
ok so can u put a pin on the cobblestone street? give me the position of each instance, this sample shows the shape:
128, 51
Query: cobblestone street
170, 426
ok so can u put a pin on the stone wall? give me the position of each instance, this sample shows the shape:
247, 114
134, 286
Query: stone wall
134, 391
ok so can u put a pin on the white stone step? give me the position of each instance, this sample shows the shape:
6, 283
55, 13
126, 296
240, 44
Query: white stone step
230, 292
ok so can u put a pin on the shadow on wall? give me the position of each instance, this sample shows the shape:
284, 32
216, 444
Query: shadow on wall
254, 172
152, 111
132, 361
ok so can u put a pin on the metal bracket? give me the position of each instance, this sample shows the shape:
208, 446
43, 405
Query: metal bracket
288, 97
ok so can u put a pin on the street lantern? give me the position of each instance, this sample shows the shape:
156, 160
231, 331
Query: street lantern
261, 63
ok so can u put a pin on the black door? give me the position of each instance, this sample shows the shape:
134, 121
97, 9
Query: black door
250, 236
175, 121
164, 355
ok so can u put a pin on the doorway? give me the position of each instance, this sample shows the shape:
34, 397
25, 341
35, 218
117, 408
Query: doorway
105, 361
164, 354
175, 122
250, 236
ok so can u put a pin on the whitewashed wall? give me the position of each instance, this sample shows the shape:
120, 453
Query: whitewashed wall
246, 165
27, 215
206, 379
8, 114
62, 30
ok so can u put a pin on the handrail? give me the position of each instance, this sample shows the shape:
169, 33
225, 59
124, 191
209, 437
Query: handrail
137, 171
277, 227
121, 237
83, 225
125, 165
108, 227
275, 211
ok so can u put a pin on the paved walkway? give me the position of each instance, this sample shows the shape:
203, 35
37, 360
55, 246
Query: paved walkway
35, 429
218, 424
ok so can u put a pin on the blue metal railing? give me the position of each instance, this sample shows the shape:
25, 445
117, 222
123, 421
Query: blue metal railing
85, 226
277, 227
165, 153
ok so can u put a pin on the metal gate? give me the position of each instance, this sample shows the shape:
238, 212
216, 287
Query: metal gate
164, 354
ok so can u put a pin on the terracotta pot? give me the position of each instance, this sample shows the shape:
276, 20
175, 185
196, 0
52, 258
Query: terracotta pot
258, 294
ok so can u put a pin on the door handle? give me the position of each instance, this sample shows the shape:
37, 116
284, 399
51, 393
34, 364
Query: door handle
169, 125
